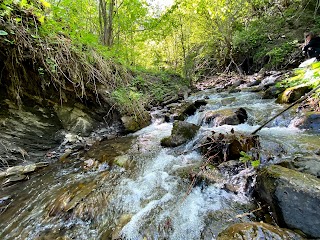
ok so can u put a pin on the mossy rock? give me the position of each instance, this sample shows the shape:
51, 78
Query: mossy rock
292, 94
256, 230
133, 123
181, 133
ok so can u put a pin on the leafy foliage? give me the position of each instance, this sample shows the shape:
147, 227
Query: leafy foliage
309, 76
246, 158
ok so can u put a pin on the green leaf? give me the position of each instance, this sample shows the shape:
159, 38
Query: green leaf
3, 33
34, 36
255, 163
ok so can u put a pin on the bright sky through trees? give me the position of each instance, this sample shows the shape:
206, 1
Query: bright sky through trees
161, 3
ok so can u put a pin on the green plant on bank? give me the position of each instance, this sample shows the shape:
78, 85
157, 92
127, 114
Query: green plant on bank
278, 54
129, 101
309, 76
246, 158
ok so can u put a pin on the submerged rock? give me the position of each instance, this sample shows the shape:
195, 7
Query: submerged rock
181, 133
256, 230
294, 198
82, 200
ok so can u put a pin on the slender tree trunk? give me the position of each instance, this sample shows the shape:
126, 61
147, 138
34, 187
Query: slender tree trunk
103, 21
109, 33
184, 52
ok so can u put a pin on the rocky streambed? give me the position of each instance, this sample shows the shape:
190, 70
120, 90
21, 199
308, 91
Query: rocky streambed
179, 178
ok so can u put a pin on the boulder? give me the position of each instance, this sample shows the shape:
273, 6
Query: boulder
133, 123
181, 133
184, 110
309, 164
294, 198
257, 230
75, 120
310, 121
222, 117
272, 92
292, 94
200, 102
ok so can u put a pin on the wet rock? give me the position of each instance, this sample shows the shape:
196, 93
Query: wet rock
199, 103
124, 161
180, 111
272, 79
83, 200
257, 230
15, 178
292, 94
18, 170
294, 198
124, 219
231, 167
211, 175
255, 82
310, 165
90, 163
272, 92
4, 202
184, 110
186, 171
222, 117
181, 133
133, 123
309, 121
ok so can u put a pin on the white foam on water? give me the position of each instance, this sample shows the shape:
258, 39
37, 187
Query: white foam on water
190, 215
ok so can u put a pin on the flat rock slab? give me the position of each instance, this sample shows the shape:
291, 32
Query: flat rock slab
294, 198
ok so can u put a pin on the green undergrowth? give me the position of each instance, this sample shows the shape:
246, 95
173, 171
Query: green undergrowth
40, 61
307, 76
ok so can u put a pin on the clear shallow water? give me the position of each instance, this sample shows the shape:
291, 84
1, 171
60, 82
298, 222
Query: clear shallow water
148, 199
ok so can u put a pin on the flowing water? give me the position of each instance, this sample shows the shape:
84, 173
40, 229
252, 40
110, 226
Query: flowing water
148, 197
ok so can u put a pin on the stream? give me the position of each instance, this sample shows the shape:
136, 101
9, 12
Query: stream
88, 196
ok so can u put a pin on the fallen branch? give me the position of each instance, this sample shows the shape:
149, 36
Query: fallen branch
290, 106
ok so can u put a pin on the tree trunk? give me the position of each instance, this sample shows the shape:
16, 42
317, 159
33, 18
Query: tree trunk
109, 40
103, 21
106, 22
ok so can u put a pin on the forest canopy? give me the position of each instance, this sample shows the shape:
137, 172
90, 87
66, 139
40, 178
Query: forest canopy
190, 37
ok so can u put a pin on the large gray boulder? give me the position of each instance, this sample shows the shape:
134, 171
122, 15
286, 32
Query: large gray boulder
181, 133
255, 230
294, 198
